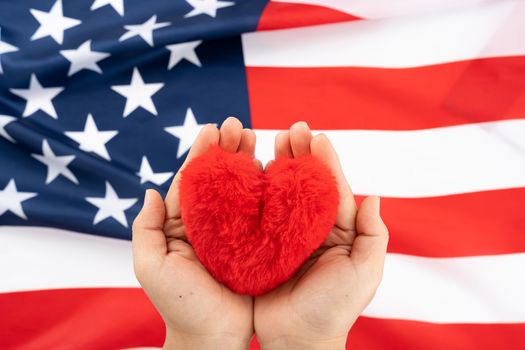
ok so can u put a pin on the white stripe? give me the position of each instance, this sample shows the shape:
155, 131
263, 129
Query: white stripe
429, 162
482, 289
386, 8
490, 30
47, 258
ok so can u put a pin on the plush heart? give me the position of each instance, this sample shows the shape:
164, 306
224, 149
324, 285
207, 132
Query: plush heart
253, 230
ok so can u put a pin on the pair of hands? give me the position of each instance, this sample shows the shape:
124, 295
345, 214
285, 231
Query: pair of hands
315, 309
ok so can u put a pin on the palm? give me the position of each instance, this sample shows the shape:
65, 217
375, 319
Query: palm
313, 299
188, 289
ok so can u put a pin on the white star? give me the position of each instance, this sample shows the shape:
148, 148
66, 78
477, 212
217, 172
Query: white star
56, 165
5, 48
178, 52
11, 200
144, 30
111, 206
38, 97
4, 120
208, 7
53, 23
118, 5
83, 58
146, 174
186, 132
138, 94
91, 139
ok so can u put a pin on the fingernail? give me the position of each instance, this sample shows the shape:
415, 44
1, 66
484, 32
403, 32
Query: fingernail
323, 135
306, 124
300, 122
147, 196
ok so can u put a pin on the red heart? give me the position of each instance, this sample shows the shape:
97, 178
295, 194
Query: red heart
253, 230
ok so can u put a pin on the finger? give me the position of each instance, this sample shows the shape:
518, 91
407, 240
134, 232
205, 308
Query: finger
174, 229
230, 135
323, 150
300, 137
247, 144
182, 248
208, 136
369, 248
268, 165
258, 164
282, 145
148, 239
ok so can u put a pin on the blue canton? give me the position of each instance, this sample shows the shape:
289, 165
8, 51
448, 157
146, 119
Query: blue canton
100, 99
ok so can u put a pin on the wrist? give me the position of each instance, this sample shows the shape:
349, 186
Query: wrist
179, 341
293, 343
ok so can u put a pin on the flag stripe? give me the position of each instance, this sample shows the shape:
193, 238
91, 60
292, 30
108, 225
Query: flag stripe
488, 30
51, 258
279, 15
443, 290
390, 99
66, 318
95, 318
385, 8
482, 289
379, 334
426, 163
480, 223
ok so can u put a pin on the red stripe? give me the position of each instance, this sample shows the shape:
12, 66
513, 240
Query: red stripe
121, 318
278, 15
381, 334
113, 318
479, 223
392, 99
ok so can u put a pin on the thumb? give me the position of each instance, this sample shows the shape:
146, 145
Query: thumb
148, 239
369, 248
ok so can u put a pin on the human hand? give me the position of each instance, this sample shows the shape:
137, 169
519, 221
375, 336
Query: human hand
199, 312
317, 307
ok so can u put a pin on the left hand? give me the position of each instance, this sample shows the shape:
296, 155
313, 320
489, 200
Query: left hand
318, 306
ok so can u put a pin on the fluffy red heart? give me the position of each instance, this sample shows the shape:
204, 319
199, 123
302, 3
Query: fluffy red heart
253, 230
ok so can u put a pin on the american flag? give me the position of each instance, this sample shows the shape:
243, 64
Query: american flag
423, 100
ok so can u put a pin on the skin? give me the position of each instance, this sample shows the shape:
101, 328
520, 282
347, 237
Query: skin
314, 310
198, 311
317, 308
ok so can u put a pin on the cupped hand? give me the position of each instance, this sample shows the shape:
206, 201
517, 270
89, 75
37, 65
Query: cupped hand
198, 311
316, 308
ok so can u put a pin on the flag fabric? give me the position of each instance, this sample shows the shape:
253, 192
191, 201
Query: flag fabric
423, 100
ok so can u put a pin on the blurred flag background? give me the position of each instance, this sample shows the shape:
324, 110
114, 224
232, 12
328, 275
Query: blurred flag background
424, 101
